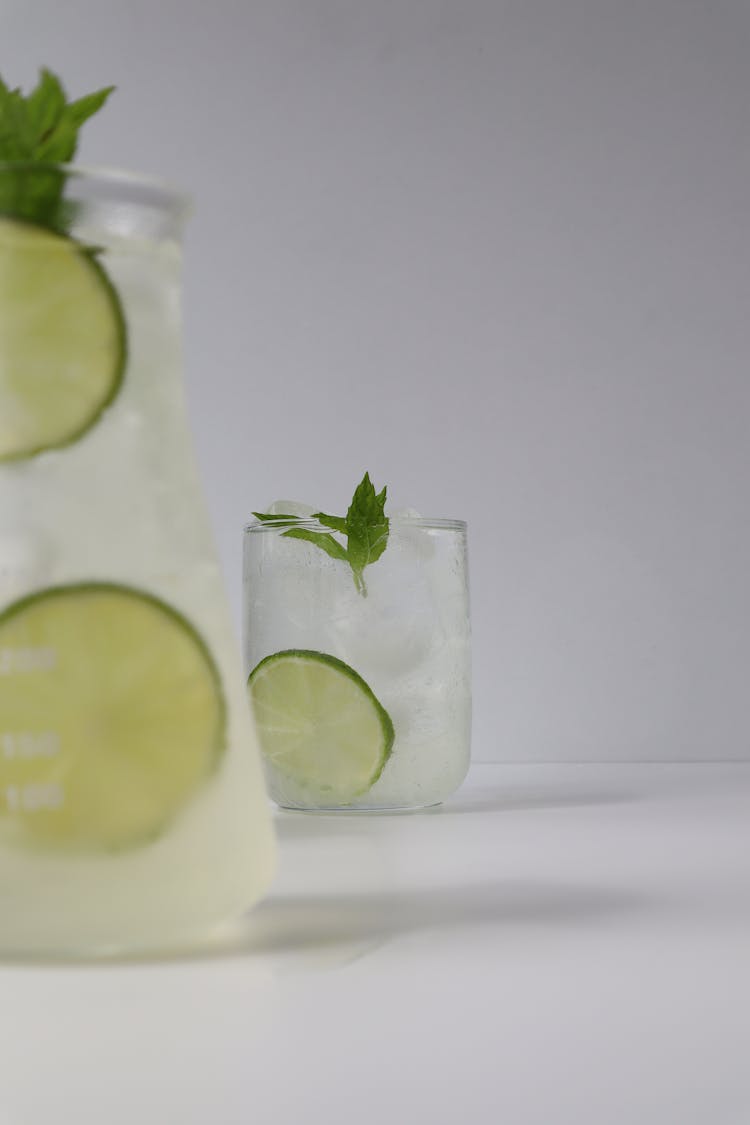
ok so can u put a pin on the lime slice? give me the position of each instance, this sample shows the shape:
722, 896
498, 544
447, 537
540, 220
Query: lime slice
62, 340
320, 724
111, 715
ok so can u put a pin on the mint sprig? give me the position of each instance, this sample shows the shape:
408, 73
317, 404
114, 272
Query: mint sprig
38, 131
365, 528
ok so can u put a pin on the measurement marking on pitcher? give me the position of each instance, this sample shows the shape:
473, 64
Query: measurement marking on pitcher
30, 659
33, 798
24, 745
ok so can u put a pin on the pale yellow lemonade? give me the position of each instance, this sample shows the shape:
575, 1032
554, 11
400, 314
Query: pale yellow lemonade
110, 587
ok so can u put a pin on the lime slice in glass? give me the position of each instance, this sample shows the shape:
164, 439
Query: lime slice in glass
62, 340
319, 724
111, 716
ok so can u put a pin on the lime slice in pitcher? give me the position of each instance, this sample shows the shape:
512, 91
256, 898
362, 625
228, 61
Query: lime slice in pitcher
111, 715
320, 724
62, 340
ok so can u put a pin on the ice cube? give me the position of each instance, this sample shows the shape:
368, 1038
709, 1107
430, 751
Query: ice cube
413, 537
388, 633
290, 508
388, 650
293, 590
434, 696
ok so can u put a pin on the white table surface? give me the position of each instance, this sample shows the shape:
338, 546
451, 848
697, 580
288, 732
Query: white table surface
556, 946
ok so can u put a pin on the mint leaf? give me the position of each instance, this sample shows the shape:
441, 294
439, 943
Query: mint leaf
15, 135
327, 543
336, 523
44, 120
37, 131
365, 527
275, 517
80, 110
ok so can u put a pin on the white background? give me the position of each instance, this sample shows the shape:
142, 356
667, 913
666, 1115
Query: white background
498, 254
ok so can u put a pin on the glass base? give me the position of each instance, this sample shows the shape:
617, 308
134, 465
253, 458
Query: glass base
348, 810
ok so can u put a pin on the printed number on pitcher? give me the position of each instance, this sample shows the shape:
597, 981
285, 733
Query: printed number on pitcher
23, 745
38, 659
33, 798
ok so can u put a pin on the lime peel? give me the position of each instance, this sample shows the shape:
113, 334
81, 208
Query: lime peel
112, 716
62, 340
320, 724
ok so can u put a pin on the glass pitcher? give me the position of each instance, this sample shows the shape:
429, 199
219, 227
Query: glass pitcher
132, 809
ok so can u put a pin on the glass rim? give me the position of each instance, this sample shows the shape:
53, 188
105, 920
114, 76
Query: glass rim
160, 192
307, 523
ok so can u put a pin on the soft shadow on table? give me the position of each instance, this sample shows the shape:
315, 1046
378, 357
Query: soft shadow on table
298, 924
325, 931
491, 799
514, 798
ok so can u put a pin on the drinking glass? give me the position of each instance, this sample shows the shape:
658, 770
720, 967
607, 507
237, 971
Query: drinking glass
362, 697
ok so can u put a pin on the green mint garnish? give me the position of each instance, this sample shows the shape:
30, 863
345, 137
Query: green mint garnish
38, 131
365, 527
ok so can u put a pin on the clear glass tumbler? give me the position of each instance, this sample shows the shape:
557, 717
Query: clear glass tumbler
362, 699
133, 813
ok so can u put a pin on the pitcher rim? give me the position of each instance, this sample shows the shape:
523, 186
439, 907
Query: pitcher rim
163, 192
